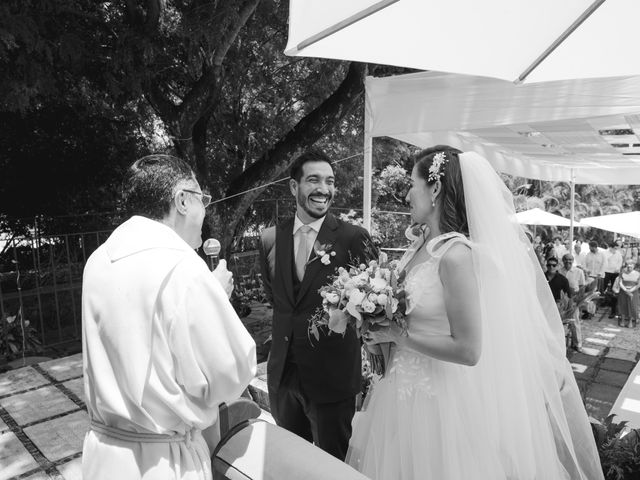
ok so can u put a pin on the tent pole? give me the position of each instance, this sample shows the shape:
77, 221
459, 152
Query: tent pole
367, 180
573, 206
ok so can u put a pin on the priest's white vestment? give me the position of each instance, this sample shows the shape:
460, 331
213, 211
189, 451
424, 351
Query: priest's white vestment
162, 348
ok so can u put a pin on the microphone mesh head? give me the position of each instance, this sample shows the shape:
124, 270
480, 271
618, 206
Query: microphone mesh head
211, 246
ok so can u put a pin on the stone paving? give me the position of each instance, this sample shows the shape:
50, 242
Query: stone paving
43, 416
610, 355
43, 420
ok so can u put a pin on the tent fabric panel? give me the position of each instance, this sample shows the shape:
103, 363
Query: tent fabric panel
587, 52
431, 101
520, 166
418, 34
581, 130
624, 223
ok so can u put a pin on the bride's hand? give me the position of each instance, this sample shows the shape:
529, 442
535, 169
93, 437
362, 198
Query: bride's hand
392, 333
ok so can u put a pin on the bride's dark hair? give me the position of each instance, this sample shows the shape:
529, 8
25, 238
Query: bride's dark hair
453, 217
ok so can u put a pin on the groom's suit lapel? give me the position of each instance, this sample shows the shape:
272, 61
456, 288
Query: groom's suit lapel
284, 257
328, 234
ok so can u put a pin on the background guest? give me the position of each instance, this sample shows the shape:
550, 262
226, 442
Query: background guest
578, 255
576, 280
594, 265
557, 282
612, 266
628, 295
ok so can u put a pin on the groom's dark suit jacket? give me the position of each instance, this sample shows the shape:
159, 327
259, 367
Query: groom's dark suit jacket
329, 369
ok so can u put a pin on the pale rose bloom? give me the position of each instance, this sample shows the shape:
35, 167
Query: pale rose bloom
368, 306
357, 296
333, 254
361, 280
332, 297
378, 284
363, 267
372, 297
11, 319
373, 264
325, 259
382, 299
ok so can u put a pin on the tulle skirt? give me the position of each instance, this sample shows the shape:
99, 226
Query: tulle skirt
421, 422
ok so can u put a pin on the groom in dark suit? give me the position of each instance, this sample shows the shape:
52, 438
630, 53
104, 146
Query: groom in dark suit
312, 384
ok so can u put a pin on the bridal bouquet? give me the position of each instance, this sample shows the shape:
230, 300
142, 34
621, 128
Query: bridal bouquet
363, 298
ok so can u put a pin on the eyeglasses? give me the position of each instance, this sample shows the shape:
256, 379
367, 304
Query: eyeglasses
552, 265
206, 199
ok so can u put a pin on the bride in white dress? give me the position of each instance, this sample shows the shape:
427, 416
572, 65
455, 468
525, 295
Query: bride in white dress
480, 388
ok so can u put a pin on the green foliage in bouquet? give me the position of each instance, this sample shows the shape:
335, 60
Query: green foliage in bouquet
619, 449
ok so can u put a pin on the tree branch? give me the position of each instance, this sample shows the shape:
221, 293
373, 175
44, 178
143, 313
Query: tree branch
154, 9
201, 99
165, 108
232, 32
274, 162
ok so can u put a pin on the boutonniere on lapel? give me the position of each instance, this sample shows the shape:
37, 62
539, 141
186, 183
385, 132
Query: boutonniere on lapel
322, 251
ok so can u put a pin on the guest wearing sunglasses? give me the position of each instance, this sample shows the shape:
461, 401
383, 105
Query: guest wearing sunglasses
557, 282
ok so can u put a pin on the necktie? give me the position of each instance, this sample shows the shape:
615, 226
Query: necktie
303, 251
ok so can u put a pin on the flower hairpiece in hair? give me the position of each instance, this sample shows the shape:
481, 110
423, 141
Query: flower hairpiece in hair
435, 170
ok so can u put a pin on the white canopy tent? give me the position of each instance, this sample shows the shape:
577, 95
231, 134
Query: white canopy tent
576, 131
536, 216
623, 223
508, 39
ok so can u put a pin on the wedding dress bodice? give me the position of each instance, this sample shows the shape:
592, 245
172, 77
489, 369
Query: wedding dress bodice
426, 316
425, 298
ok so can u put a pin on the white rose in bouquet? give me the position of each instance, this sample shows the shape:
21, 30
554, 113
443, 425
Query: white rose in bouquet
368, 306
332, 298
356, 296
378, 284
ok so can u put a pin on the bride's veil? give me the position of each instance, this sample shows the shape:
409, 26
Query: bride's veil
533, 405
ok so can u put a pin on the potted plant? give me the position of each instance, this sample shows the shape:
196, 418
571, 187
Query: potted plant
619, 449
18, 337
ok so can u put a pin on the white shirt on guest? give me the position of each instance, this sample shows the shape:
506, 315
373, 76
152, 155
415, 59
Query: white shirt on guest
613, 262
594, 264
313, 234
575, 277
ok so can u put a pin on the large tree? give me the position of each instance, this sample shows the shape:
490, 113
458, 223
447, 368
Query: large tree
206, 77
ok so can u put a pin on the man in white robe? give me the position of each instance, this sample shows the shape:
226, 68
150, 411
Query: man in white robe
162, 345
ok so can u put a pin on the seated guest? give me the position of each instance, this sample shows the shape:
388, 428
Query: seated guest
574, 275
578, 255
557, 282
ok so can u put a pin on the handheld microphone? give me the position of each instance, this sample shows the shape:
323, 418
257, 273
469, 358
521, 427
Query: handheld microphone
211, 248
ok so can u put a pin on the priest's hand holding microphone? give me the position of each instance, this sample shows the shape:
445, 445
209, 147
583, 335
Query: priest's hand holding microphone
211, 248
